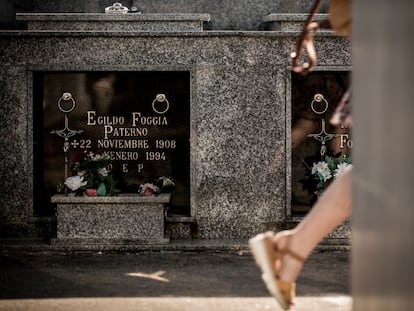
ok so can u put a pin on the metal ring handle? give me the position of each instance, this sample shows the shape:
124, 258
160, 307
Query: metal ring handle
160, 98
66, 96
319, 98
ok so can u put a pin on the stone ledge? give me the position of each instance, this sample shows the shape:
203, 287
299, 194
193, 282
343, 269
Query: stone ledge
108, 242
290, 22
195, 245
75, 17
275, 17
115, 22
179, 219
124, 198
206, 34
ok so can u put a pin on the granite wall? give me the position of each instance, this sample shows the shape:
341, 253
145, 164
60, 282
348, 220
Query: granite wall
240, 115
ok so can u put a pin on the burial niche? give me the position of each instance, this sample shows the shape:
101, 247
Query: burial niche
140, 118
320, 149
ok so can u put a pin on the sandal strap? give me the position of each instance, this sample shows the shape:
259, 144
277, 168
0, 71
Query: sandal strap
287, 251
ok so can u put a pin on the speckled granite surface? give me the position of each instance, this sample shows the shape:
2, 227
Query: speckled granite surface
114, 22
288, 22
225, 15
132, 219
240, 116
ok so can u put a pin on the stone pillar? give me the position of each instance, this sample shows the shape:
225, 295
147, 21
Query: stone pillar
383, 93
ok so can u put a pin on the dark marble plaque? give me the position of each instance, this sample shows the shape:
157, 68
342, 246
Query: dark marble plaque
311, 124
141, 118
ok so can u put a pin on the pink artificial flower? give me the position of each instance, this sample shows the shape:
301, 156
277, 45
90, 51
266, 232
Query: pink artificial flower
91, 192
148, 192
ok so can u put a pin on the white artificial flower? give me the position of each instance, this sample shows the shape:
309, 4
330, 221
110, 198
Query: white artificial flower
341, 168
75, 182
166, 182
97, 157
323, 169
326, 175
106, 156
103, 171
319, 166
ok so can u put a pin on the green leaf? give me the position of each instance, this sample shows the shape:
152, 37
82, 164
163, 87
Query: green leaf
101, 191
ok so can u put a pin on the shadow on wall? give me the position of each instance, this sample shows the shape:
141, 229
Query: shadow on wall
225, 15
8, 10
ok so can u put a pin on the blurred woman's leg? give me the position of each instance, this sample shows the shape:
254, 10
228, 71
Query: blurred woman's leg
331, 209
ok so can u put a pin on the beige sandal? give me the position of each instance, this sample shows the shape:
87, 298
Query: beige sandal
265, 255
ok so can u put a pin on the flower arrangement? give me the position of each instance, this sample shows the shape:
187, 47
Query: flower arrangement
92, 175
161, 184
323, 172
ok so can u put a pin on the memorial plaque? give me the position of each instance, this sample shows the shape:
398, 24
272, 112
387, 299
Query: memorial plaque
316, 142
142, 119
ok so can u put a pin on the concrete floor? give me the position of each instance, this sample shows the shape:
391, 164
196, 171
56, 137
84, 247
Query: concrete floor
148, 281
